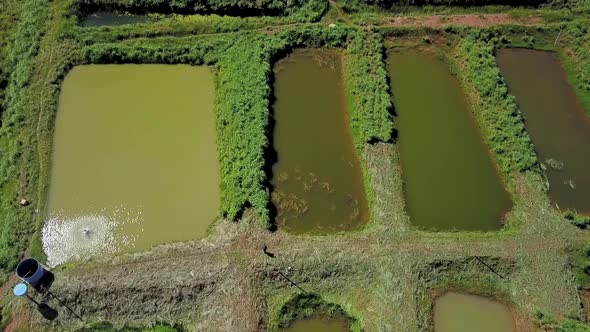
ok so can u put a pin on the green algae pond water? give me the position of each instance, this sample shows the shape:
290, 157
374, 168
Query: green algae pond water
450, 182
319, 324
317, 179
455, 312
556, 121
134, 160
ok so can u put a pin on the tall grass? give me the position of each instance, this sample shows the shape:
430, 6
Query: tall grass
504, 129
369, 99
309, 9
9, 18
15, 220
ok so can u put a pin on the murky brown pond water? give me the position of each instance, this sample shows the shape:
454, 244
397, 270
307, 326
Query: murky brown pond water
319, 324
134, 160
318, 185
555, 120
450, 182
455, 312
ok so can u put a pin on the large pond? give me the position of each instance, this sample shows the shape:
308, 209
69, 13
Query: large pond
134, 160
556, 121
455, 312
317, 180
336, 323
450, 181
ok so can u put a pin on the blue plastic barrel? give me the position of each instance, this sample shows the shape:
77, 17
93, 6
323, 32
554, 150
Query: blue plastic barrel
31, 271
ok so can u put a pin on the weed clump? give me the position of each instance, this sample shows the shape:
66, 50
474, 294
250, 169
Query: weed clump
308, 305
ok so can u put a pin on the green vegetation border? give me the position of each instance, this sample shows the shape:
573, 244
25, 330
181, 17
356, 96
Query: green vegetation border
305, 305
15, 183
303, 9
466, 275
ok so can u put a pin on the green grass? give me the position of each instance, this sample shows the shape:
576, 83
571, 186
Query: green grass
576, 62
503, 127
15, 221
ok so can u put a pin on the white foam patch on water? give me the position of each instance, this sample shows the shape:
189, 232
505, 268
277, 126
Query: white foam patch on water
80, 238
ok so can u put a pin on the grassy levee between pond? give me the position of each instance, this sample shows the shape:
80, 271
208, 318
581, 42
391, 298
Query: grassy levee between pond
497, 111
575, 60
16, 181
366, 80
9, 19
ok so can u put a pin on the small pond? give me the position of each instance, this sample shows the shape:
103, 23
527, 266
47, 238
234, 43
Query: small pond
455, 312
335, 323
134, 160
450, 182
317, 179
111, 19
555, 120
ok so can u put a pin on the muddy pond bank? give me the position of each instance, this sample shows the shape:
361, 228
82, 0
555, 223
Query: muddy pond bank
555, 120
317, 178
450, 182
134, 160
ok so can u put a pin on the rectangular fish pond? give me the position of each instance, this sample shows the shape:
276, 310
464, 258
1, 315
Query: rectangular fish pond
317, 178
134, 160
556, 121
456, 312
450, 181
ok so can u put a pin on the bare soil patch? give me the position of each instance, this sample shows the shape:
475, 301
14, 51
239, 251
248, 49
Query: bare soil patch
438, 21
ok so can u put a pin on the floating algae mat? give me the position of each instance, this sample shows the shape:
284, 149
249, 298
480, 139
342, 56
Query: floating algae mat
556, 121
454, 312
335, 323
449, 179
317, 179
134, 160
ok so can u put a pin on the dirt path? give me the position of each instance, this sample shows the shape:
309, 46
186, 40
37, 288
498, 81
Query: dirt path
437, 21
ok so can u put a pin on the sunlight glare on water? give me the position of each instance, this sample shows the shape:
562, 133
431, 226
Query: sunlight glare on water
85, 236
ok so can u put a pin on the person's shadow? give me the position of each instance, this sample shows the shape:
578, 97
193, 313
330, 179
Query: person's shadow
266, 252
47, 312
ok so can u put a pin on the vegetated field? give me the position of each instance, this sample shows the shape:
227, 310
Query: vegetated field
9, 18
383, 277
